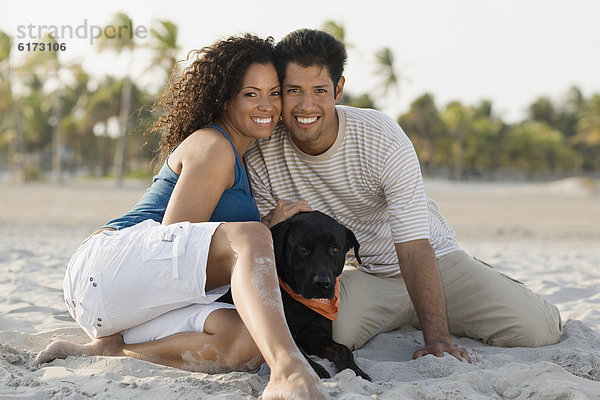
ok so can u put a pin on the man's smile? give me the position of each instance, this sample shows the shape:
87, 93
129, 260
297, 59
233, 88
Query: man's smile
306, 120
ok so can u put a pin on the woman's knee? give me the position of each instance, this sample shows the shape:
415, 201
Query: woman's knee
232, 241
239, 351
249, 234
244, 352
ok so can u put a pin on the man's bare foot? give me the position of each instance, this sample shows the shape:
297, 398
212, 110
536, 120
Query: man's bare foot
302, 384
104, 346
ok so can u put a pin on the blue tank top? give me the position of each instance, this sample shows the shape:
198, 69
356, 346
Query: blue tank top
236, 203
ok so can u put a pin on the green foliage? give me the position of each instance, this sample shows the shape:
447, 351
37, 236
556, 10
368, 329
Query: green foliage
361, 101
559, 137
537, 149
474, 136
51, 93
463, 141
542, 110
387, 69
335, 29
115, 38
586, 139
5, 46
426, 129
164, 45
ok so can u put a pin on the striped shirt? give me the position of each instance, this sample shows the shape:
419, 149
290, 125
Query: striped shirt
369, 180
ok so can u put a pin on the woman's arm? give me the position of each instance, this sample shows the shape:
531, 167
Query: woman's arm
205, 162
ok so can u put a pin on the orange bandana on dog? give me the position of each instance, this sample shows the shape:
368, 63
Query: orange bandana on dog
326, 307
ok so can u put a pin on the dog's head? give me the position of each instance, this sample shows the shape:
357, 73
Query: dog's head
310, 249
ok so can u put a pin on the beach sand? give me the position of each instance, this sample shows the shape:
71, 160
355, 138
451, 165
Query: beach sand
546, 235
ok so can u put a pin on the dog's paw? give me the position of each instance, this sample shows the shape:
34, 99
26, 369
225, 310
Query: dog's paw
362, 374
319, 369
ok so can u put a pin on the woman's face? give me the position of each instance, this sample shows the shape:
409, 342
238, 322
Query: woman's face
254, 111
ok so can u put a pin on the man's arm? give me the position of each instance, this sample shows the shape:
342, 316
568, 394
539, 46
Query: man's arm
420, 272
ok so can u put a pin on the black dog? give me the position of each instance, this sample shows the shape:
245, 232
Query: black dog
310, 250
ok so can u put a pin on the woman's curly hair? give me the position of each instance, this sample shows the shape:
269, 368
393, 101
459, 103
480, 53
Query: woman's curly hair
195, 98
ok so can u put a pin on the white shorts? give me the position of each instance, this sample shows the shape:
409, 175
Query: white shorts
146, 281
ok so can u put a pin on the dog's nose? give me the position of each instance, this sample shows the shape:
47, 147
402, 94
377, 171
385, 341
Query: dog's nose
321, 281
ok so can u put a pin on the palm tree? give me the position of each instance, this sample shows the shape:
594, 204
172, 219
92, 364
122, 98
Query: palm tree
103, 105
570, 111
543, 110
424, 127
587, 136
588, 127
387, 70
121, 44
484, 109
46, 64
362, 101
337, 30
164, 46
457, 119
74, 100
538, 150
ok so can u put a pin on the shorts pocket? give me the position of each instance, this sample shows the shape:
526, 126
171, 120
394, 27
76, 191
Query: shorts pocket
166, 242
156, 245
86, 305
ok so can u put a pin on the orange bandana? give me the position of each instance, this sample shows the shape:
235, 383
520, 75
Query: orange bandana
326, 307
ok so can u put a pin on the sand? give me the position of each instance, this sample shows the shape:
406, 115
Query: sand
546, 235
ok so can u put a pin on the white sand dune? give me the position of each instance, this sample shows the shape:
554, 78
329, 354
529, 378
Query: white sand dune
546, 235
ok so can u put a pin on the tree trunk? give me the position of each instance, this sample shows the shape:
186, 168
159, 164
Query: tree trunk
56, 139
106, 150
431, 163
122, 139
458, 161
19, 145
19, 142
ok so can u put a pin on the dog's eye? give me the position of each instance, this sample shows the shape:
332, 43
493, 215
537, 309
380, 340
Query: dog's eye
301, 249
335, 250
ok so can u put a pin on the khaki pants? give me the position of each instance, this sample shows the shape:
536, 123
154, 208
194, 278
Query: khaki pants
481, 302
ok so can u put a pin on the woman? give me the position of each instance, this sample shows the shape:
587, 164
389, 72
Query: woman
145, 285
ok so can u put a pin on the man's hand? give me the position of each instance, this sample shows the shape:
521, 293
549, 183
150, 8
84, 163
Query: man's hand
424, 285
438, 349
284, 210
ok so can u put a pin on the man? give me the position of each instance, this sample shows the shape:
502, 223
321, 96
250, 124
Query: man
358, 166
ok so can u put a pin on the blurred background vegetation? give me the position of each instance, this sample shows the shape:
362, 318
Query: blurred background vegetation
58, 122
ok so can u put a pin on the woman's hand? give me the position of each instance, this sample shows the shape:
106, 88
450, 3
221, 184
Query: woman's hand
284, 210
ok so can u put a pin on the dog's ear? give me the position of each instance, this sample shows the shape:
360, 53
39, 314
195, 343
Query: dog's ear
351, 242
279, 233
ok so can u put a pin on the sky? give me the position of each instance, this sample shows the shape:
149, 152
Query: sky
510, 52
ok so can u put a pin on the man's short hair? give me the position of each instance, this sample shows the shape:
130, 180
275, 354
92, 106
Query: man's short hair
308, 47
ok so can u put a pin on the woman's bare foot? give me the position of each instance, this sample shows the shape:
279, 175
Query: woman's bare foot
104, 346
300, 384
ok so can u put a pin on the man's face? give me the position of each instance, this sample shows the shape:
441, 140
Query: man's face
309, 107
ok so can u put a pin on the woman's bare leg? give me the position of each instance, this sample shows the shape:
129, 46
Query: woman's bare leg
224, 346
240, 254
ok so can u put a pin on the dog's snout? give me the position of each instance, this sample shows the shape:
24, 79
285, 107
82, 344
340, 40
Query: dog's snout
322, 281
